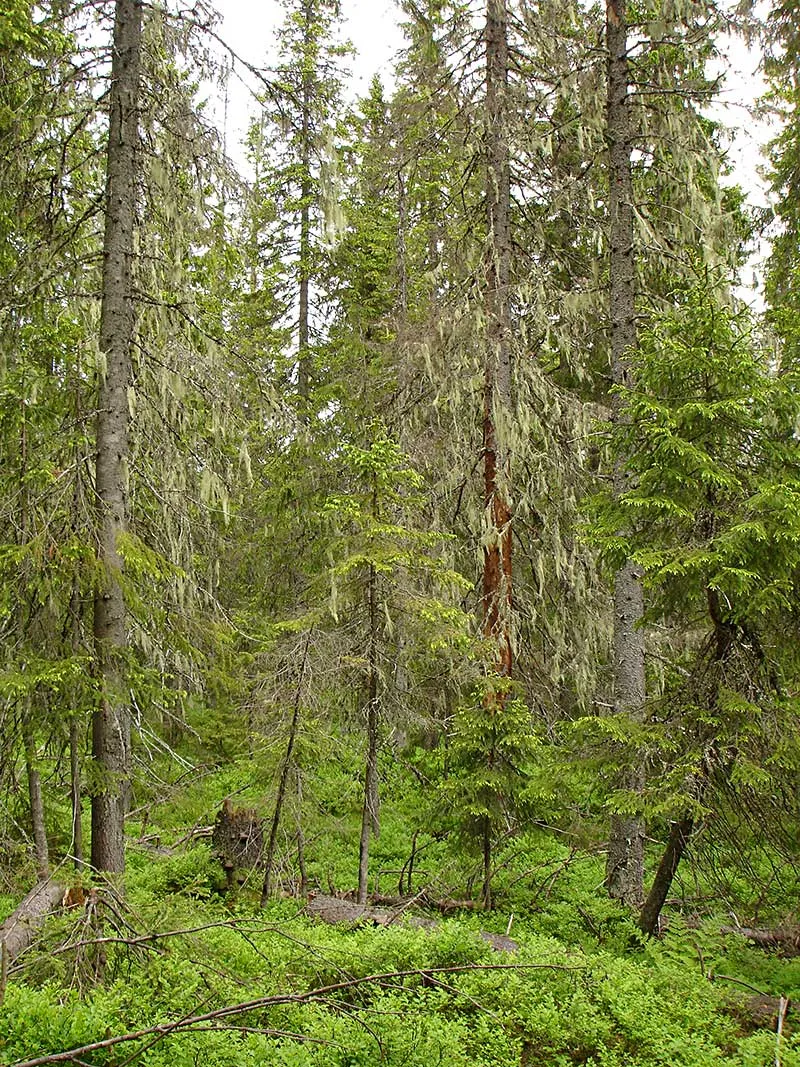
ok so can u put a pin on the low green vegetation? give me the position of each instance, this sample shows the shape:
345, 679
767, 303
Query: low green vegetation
582, 986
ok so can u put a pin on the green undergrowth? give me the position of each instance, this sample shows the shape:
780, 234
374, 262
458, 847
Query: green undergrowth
582, 987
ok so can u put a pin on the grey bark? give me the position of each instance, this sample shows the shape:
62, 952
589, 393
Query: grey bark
370, 814
111, 722
36, 800
304, 358
498, 198
75, 743
625, 861
75, 792
19, 929
333, 910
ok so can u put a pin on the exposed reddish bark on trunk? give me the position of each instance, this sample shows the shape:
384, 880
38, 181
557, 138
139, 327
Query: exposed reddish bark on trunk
111, 724
497, 401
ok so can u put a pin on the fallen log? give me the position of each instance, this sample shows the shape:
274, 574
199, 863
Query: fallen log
446, 906
334, 910
785, 939
19, 929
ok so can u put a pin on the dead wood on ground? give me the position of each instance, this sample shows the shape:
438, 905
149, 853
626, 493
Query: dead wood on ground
334, 910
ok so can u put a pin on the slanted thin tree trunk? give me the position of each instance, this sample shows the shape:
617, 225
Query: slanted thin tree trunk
370, 815
723, 636
673, 853
300, 837
486, 894
111, 722
497, 400
286, 767
75, 792
625, 861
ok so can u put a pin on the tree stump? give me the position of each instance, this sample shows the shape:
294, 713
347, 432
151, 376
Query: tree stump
238, 839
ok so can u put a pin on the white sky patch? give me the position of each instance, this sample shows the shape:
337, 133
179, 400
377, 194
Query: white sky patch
251, 30
737, 108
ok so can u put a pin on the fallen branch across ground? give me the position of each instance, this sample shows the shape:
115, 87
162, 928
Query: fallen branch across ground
387, 979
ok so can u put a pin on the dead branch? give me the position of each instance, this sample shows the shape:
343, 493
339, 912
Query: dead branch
195, 1022
19, 929
786, 939
333, 910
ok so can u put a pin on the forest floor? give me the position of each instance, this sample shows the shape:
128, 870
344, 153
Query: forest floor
180, 971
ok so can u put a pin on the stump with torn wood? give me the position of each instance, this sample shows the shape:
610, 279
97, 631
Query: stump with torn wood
237, 840
334, 910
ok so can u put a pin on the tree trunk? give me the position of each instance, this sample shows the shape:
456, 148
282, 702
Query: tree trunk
676, 846
304, 359
487, 862
300, 838
75, 792
723, 634
35, 798
497, 400
19, 929
625, 862
28, 736
266, 889
75, 741
370, 815
111, 722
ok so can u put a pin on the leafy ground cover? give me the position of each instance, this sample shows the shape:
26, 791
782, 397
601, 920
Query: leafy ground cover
206, 977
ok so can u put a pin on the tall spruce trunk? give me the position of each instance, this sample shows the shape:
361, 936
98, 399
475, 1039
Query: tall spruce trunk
370, 814
625, 862
497, 399
111, 722
303, 332
35, 796
497, 395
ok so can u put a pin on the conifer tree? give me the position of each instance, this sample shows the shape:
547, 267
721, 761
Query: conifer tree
111, 727
497, 593
46, 244
624, 870
708, 440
